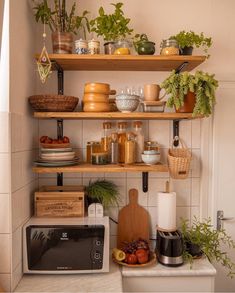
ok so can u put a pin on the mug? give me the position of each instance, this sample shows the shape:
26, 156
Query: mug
152, 92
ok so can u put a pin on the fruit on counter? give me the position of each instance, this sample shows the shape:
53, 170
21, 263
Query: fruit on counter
47, 139
131, 259
119, 254
142, 255
137, 251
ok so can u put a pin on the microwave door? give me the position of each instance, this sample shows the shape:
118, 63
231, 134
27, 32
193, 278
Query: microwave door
65, 248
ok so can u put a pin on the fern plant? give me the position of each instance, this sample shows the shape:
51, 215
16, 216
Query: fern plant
177, 85
210, 241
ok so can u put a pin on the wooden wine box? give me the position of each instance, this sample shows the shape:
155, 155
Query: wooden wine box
59, 201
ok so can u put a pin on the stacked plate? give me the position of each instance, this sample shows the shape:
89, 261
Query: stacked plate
57, 157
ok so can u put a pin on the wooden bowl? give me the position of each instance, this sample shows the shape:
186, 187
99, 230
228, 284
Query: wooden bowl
53, 103
96, 107
152, 260
97, 87
95, 98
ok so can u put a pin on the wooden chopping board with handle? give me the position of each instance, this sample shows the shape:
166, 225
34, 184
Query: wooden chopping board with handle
133, 221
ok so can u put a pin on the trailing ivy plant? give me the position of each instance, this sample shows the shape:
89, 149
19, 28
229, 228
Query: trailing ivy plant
191, 39
58, 19
111, 26
202, 84
210, 241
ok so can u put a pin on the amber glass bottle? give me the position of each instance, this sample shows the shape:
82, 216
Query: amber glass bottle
122, 127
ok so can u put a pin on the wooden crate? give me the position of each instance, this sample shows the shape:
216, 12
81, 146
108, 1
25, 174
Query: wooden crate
59, 201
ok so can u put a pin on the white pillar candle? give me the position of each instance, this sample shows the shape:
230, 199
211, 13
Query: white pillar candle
166, 211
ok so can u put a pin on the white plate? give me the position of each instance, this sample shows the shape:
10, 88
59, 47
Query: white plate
45, 150
65, 158
58, 155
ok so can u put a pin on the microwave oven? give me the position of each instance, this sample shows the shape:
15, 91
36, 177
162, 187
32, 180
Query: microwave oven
66, 245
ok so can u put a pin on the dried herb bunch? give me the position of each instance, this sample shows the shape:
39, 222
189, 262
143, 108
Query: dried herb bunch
210, 241
58, 19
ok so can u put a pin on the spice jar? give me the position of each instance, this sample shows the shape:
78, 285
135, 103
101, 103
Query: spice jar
169, 47
130, 149
93, 47
92, 147
99, 158
81, 47
151, 146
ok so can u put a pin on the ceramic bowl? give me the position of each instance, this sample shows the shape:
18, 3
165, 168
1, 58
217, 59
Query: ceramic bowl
151, 152
127, 103
150, 159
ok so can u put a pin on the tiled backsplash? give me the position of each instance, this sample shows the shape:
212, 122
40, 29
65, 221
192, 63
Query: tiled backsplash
188, 190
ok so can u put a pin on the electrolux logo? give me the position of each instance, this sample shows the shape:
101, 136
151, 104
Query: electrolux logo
64, 236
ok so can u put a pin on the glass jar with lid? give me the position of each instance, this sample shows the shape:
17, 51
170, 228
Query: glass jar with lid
169, 47
151, 146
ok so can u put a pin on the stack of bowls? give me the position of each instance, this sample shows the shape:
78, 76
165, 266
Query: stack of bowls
151, 157
96, 97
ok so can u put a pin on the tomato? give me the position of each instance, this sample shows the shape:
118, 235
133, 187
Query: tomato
60, 141
132, 259
43, 138
142, 255
48, 140
65, 139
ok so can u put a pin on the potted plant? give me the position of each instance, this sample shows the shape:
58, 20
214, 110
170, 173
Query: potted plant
102, 191
112, 27
142, 45
188, 40
202, 238
61, 23
191, 93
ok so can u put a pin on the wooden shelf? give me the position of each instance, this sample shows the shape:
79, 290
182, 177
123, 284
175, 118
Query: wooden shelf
124, 62
115, 115
84, 168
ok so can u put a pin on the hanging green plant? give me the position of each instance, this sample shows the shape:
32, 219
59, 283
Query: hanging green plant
203, 84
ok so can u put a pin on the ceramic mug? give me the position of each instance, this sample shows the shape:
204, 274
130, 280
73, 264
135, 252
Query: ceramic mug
152, 92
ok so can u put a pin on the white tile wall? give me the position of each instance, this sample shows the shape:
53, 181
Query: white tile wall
188, 190
5, 253
4, 122
4, 173
5, 212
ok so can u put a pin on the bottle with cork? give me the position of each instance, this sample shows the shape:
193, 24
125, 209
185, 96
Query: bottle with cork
130, 149
114, 148
105, 140
122, 127
139, 138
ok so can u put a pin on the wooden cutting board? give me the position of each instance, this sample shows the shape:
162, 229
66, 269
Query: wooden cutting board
133, 221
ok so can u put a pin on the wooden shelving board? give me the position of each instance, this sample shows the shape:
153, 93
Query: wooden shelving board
124, 62
84, 168
114, 115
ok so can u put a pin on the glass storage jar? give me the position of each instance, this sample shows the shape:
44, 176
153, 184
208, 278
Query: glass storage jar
169, 47
151, 146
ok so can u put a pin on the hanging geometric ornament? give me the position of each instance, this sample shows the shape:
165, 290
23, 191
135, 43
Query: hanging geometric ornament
44, 65
44, 62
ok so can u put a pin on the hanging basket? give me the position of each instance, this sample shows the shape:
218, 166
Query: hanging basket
179, 161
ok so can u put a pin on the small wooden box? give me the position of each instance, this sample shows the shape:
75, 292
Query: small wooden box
59, 201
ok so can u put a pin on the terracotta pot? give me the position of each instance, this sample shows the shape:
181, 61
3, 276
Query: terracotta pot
62, 43
189, 103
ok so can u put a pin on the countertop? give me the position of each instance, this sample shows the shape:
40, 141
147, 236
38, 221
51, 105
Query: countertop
109, 282
103, 282
200, 267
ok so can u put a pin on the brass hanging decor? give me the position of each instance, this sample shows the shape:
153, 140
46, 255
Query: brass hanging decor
44, 62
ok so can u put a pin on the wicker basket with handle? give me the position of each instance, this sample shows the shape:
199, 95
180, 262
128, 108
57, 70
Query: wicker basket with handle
179, 161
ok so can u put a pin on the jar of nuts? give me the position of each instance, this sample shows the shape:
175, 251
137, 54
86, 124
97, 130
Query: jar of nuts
169, 47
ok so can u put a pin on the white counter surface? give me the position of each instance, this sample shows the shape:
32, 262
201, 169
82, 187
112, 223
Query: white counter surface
104, 282
200, 267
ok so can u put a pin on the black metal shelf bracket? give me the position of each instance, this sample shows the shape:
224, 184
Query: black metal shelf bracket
60, 126
181, 67
145, 181
176, 127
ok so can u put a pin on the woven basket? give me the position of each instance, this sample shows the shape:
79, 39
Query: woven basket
179, 161
53, 103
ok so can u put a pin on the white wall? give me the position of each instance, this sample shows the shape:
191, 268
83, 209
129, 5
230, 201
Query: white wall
24, 129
